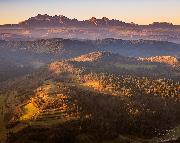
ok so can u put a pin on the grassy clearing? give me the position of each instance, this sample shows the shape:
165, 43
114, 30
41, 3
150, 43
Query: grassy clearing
135, 66
96, 86
92, 84
46, 117
30, 111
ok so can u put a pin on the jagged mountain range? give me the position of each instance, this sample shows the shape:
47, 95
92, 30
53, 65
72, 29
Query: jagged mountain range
46, 20
47, 27
53, 21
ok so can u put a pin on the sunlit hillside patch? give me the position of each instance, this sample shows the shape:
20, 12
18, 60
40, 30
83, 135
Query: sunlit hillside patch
93, 84
92, 57
170, 60
49, 106
96, 85
30, 110
54, 67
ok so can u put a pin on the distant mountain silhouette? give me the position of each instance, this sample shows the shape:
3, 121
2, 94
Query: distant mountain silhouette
46, 20
57, 21
161, 24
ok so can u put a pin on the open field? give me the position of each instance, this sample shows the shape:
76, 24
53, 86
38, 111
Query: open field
136, 66
30, 111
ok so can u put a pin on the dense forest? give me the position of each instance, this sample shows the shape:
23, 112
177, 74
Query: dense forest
99, 97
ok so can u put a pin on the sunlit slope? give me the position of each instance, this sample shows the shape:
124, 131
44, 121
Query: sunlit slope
47, 106
173, 61
88, 97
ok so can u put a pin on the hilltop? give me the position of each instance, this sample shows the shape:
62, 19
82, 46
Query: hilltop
101, 57
163, 59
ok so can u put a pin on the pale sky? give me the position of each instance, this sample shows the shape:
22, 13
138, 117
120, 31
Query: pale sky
138, 11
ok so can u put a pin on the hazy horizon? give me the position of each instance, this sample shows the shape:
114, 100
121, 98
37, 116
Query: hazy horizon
137, 11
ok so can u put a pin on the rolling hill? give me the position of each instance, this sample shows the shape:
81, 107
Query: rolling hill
67, 48
37, 53
92, 98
